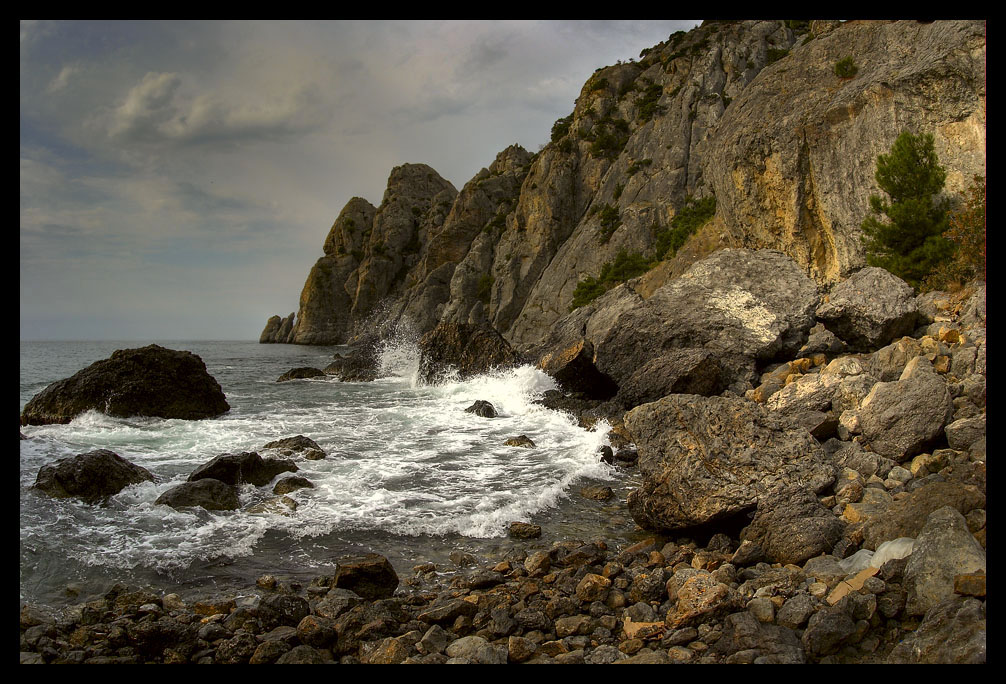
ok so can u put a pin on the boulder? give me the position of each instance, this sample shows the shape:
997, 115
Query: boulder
952, 632
899, 419
213, 495
369, 576
483, 409
90, 477
291, 484
870, 309
700, 332
704, 459
360, 365
299, 445
791, 526
301, 373
944, 549
906, 517
149, 381
465, 349
244, 467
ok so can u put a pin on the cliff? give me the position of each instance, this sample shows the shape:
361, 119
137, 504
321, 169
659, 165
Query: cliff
750, 113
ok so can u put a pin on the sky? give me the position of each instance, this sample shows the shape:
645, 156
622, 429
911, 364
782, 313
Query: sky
178, 179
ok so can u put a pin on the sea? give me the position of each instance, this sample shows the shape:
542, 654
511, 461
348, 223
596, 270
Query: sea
408, 474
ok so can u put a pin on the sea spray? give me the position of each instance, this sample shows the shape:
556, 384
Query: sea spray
407, 472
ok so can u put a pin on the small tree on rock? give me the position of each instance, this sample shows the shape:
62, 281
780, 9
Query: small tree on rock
910, 243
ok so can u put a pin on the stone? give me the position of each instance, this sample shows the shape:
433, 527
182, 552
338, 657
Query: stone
299, 445
705, 459
906, 517
464, 349
208, 493
943, 550
523, 530
520, 441
149, 381
302, 373
92, 477
371, 576
791, 526
245, 467
700, 598
477, 651
483, 409
961, 434
952, 632
292, 484
900, 419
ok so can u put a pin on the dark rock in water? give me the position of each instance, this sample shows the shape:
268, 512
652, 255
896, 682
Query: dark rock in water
149, 381
607, 455
360, 365
626, 456
300, 444
467, 349
370, 576
521, 441
213, 495
91, 477
597, 492
292, 484
870, 309
301, 374
704, 459
483, 409
524, 530
248, 466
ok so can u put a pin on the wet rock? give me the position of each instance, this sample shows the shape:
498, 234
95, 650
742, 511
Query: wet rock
360, 365
371, 576
301, 373
464, 349
208, 493
90, 477
524, 530
521, 441
149, 381
483, 409
298, 446
244, 467
292, 484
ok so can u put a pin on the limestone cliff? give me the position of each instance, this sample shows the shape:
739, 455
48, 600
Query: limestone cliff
750, 112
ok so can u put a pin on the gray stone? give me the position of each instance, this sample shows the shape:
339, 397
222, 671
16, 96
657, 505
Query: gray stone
944, 549
208, 493
952, 632
92, 477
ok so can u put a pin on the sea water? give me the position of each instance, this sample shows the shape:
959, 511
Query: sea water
408, 474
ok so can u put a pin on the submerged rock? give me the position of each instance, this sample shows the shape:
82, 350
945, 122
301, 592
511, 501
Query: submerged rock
149, 381
239, 468
90, 477
302, 373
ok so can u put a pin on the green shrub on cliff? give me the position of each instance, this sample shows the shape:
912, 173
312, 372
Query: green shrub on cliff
610, 221
910, 242
690, 217
624, 267
846, 68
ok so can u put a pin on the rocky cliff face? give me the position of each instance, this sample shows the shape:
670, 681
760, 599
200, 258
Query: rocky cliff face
750, 113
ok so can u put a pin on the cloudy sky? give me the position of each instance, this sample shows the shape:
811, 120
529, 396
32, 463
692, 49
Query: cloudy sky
178, 178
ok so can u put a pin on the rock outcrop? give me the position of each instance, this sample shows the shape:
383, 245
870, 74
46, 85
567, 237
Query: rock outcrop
748, 112
150, 381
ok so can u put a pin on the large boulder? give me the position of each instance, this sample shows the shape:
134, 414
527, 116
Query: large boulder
705, 459
150, 381
907, 516
952, 632
245, 467
792, 526
870, 309
90, 477
700, 332
466, 349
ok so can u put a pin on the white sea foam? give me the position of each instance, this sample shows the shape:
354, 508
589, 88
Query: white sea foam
403, 459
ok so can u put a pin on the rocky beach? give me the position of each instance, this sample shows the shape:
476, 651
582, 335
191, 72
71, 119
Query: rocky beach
678, 283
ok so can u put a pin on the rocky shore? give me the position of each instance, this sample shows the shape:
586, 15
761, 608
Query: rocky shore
834, 513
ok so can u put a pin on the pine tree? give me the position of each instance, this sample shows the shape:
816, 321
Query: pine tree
910, 244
